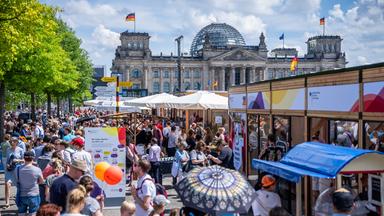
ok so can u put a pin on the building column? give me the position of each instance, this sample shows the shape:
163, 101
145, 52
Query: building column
233, 76
242, 75
211, 78
263, 74
254, 75
161, 80
222, 79
147, 81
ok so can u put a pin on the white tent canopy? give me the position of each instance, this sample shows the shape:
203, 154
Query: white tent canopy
199, 100
151, 101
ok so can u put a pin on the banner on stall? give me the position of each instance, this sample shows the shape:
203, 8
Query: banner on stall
108, 145
374, 97
290, 99
259, 100
344, 98
239, 137
237, 101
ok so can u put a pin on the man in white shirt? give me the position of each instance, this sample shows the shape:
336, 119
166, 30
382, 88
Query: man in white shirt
266, 198
81, 154
154, 158
145, 191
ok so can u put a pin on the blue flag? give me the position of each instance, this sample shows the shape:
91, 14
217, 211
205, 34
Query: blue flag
281, 37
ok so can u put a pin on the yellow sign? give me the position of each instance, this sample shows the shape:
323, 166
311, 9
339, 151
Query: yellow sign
108, 79
126, 84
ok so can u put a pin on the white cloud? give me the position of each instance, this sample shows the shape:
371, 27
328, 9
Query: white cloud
99, 23
362, 60
336, 12
105, 37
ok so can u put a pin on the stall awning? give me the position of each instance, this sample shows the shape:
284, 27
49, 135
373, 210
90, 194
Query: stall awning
323, 161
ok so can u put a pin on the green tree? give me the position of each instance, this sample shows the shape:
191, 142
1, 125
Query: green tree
24, 26
71, 44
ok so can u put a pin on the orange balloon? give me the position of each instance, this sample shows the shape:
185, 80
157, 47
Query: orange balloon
100, 169
113, 175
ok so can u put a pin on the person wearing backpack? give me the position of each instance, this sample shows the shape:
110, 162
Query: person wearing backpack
145, 191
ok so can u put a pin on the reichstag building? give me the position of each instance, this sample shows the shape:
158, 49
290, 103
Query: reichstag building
219, 58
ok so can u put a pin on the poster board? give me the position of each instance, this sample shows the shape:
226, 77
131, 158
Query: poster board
343, 98
237, 101
374, 97
219, 119
239, 139
108, 144
259, 100
375, 189
289, 99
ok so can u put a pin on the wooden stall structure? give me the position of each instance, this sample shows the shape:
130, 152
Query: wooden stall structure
344, 105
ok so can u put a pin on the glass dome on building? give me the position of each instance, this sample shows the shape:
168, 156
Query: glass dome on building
220, 35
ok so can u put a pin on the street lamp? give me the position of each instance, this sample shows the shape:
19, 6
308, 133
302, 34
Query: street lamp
179, 61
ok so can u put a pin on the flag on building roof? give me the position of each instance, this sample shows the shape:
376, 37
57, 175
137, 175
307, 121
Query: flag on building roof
130, 17
281, 37
322, 21
294, 64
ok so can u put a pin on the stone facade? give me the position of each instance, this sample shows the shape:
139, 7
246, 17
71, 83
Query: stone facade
218, 67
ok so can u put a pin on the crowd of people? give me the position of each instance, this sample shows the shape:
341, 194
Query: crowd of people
47, 163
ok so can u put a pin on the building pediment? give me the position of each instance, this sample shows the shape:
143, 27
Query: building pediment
239, 54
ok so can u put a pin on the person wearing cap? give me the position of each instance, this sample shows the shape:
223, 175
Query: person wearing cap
28, 178
80, 154
159, 203
343, 203
266, 198
65, 183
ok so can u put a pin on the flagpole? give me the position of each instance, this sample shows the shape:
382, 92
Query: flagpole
283, 41
324, 28
134, 25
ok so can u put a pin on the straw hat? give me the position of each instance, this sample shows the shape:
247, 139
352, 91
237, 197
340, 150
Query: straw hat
79, 164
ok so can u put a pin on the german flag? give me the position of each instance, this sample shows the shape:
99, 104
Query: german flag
130, 17
322, 21
215, 84
294, 64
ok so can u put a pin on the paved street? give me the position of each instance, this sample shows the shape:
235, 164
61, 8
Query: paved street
172, 196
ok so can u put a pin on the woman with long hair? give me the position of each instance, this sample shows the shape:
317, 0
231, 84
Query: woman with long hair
75, 201
92, 206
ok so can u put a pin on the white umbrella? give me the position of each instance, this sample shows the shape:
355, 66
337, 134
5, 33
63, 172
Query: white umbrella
151, 101
92, 102
201, 100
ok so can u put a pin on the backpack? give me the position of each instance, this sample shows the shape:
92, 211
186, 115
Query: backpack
160, 189
11, 165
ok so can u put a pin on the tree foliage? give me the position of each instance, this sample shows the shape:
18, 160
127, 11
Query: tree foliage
39, 53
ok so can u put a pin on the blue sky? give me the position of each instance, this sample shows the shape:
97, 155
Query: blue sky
98, 23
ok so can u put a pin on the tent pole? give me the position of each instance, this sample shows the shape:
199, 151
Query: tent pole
298, 198
186, 120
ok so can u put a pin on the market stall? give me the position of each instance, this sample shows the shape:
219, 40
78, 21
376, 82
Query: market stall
344, 107
322, 161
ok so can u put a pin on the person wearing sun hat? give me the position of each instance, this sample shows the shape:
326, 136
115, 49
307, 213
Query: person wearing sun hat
65, 183
266, 198
159, 203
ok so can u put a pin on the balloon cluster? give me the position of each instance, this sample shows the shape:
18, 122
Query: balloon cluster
110, 174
